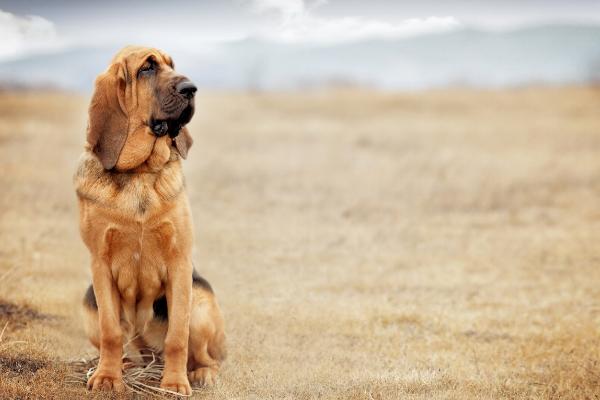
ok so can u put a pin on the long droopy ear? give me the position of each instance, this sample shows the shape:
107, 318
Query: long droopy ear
183, 142
108, 122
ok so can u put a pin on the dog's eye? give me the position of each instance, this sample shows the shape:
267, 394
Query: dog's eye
147, 68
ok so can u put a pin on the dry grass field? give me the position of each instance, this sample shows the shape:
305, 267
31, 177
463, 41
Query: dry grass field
436, 245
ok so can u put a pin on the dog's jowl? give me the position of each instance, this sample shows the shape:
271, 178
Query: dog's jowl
135, 220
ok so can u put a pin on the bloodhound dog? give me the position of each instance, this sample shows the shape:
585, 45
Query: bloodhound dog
135, 220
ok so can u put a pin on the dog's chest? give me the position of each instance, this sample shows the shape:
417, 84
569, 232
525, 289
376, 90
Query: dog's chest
136, 220
138, 269
137, 193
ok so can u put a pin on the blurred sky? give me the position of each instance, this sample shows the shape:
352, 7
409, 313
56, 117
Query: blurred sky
30, 26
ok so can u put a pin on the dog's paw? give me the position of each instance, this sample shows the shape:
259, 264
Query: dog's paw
205, 376
179, 385
106, 380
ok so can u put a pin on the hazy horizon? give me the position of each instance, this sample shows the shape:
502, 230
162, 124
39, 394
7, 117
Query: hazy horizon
291, 44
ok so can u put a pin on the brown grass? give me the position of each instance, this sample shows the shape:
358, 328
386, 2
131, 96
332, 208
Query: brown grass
363, 245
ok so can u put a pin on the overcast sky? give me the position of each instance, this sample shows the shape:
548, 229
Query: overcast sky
29, 26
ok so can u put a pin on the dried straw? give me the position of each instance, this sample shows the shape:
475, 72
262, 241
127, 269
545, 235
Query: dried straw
143, 379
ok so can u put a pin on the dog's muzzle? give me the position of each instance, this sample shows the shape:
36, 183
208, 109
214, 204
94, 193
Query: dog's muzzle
185, 90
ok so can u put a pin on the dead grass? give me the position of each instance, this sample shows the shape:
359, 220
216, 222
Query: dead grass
363, 245
19, 315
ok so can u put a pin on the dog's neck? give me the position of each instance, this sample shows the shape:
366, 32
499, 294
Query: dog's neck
157, 160
147, 186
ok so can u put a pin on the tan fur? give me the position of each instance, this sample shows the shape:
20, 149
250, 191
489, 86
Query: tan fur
135, 220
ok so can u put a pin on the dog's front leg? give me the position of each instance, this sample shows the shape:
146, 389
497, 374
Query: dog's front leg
179, 302
109, 373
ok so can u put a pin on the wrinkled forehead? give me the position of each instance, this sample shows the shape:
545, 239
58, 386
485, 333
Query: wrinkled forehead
135, 56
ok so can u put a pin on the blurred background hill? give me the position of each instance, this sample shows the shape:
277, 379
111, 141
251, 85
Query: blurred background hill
545, 54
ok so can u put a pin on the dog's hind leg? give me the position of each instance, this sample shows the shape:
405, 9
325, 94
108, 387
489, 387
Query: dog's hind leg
90, 317
207, 338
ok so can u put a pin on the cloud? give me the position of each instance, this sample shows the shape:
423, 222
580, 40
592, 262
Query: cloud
298, 23
25, 34
287, 8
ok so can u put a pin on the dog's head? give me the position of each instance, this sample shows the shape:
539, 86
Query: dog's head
140, 106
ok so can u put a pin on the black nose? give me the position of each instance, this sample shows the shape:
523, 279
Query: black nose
186, 88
